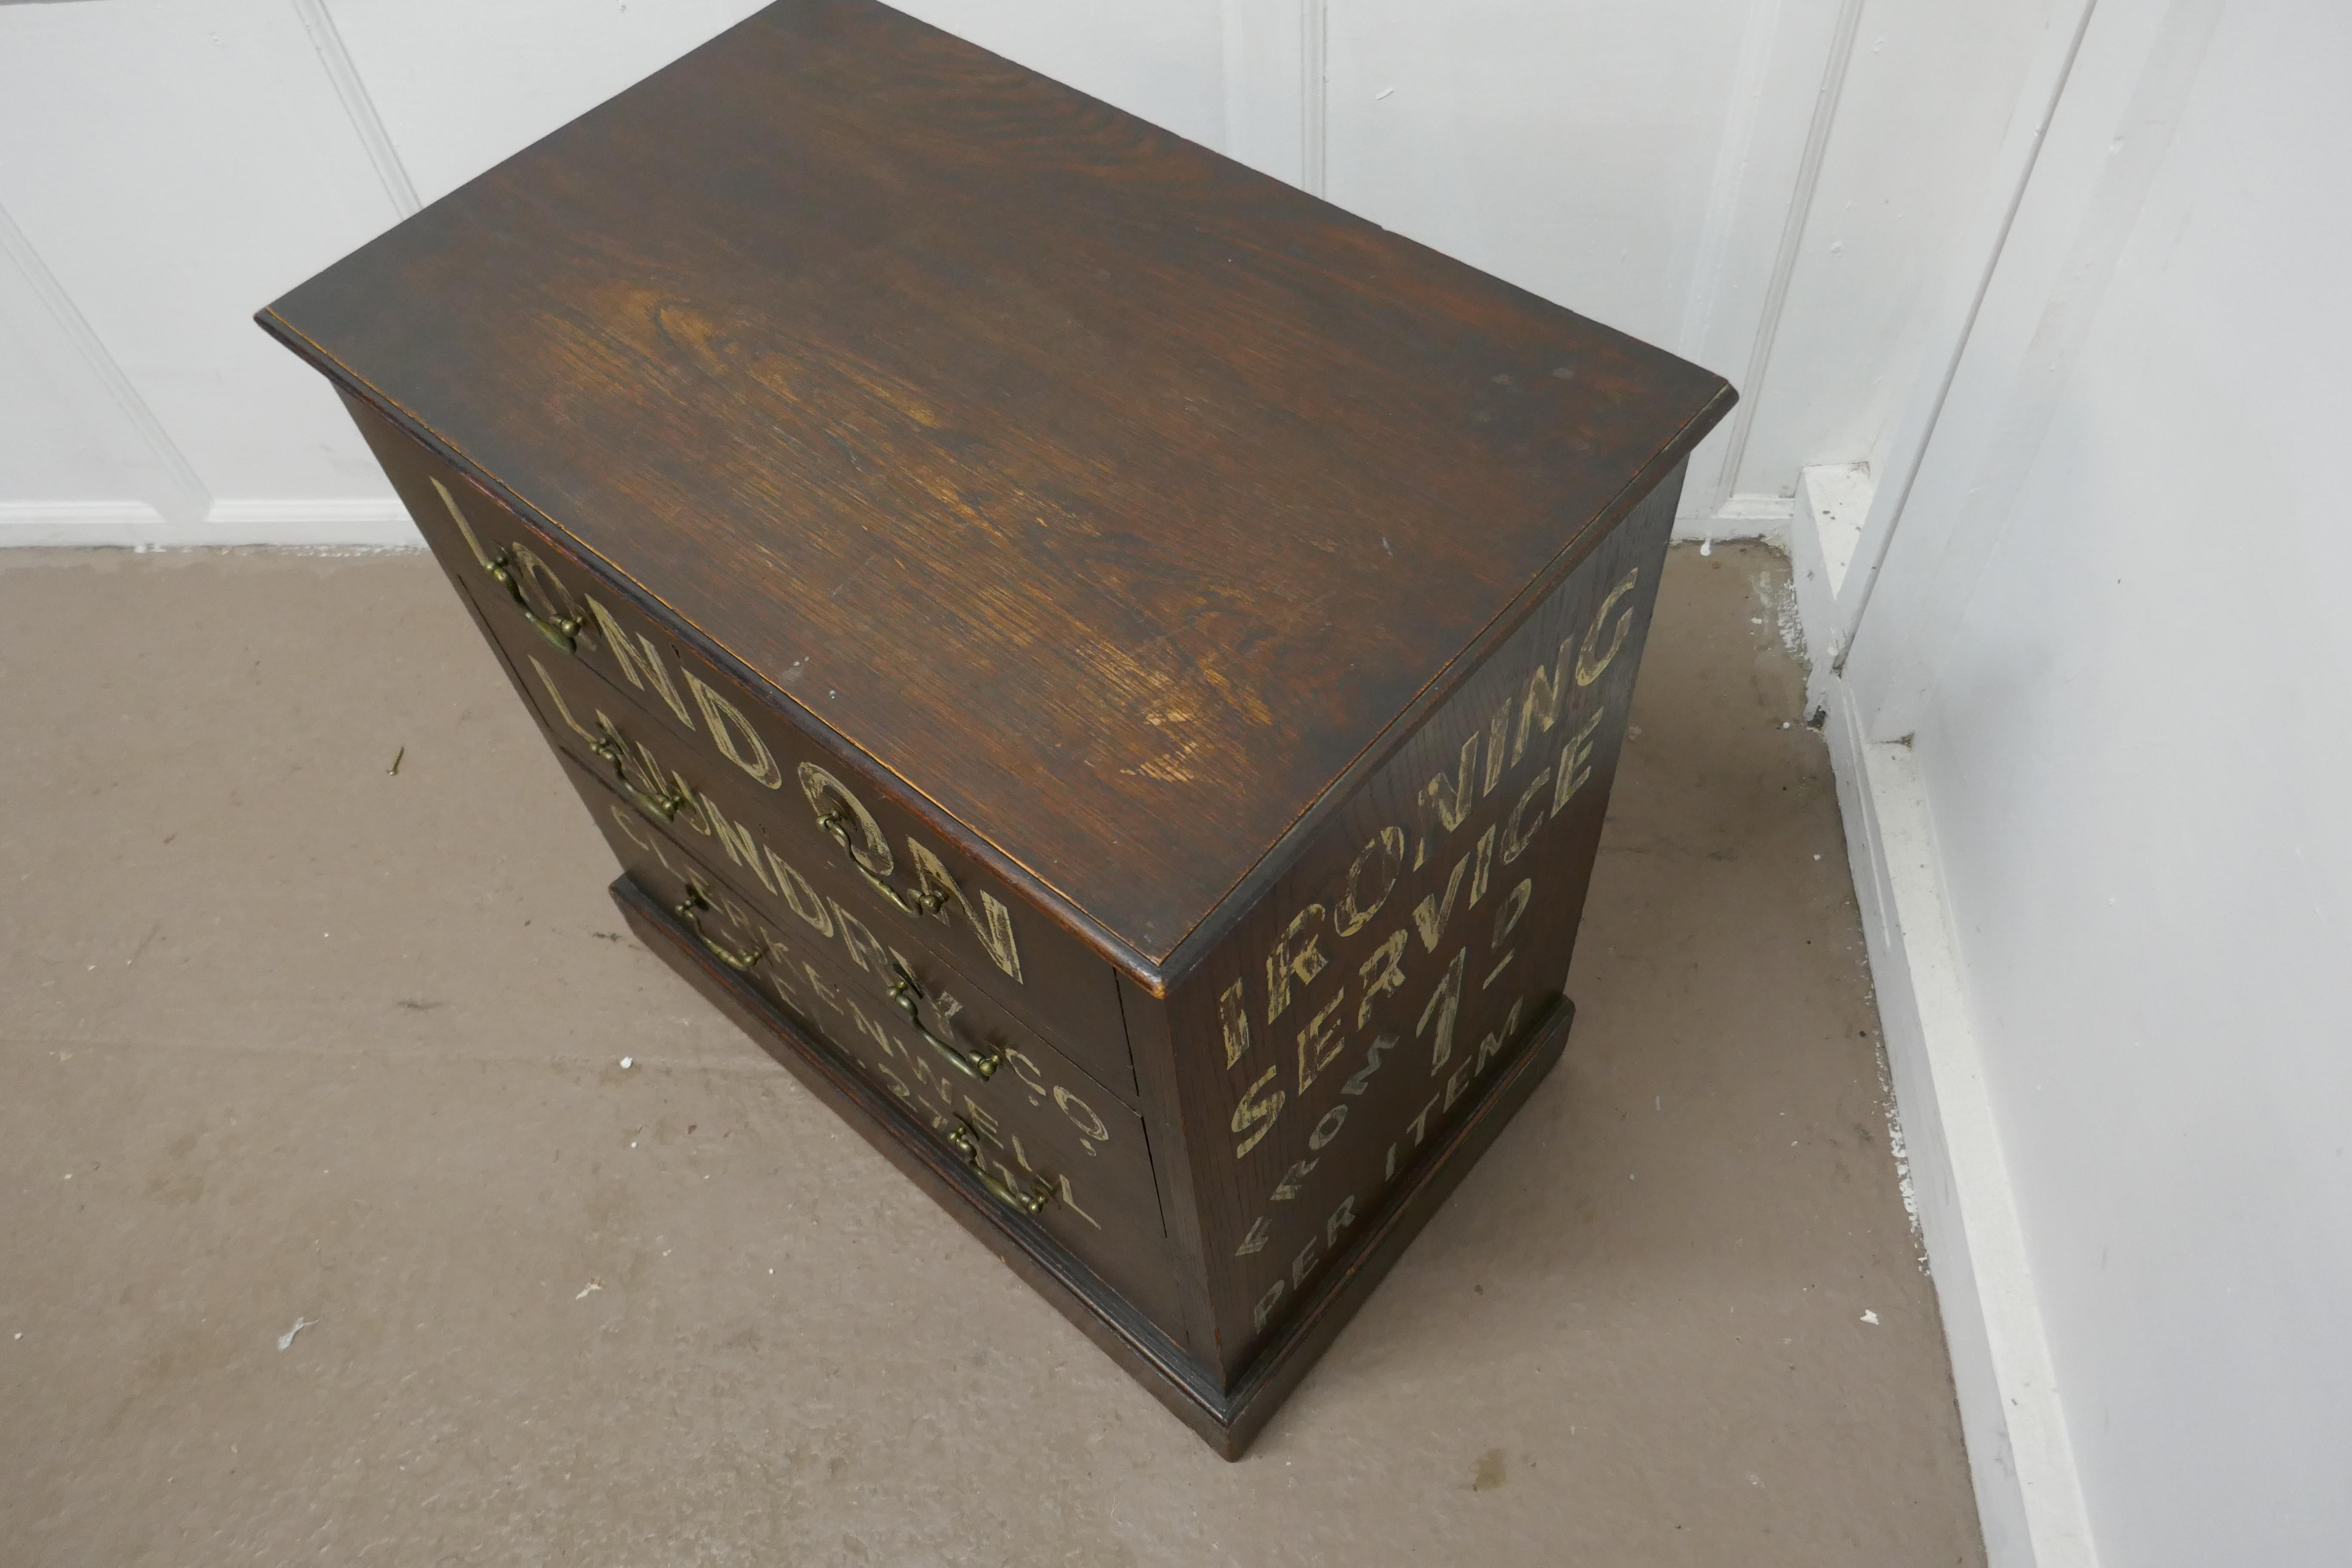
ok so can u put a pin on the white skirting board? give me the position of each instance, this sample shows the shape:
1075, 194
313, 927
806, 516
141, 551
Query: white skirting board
1740, 517
365, 521
2029, 1497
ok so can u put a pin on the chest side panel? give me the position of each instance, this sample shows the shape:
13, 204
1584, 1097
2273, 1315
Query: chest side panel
1418, 942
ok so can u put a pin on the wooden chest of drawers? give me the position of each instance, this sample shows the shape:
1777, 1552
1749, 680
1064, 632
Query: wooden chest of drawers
1109, 667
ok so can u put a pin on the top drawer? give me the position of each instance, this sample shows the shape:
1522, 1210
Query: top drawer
536, 596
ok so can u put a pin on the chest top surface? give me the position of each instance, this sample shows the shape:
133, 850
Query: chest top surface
1113, 496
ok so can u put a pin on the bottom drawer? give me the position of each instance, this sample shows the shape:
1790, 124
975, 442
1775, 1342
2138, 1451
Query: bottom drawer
1047, 1138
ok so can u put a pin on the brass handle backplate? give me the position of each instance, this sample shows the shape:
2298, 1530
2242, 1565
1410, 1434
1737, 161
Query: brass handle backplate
563, 632
610, 748
689, 911
960, 1138
926, 900
981, 1064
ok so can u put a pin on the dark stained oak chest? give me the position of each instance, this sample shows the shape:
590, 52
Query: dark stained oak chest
1107, 666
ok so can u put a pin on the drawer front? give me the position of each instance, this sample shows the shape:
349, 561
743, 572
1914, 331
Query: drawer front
540, 601
782, 868
1036, 1125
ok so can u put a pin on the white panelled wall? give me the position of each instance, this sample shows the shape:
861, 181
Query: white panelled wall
2095, 736
2036, 311
166, 168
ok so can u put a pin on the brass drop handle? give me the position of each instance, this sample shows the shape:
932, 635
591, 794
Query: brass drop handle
960, 1138
610, 747
927, 899
689, 911
904, 991
563, 632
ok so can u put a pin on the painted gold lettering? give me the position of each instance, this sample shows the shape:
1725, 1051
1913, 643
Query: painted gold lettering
1389, 976
1235, 1015
1420, 1124
1498, 728
733, 735
1353, 913
1485, 863
991, 925
1575, 763
1328, 1128
1293, 960
532, 571
1590, 664
1450, 812
1070, 1201
932, 1088
1319, 1042
1082, 1116
1287, 1188
1303, 1264
463, 527
645, 671
1429, 916
1444, 1004
1260, 1232
872, 850
1514, 905
870, 954
1341, 1218
781, 987
1515, 839
527, 565
937, 1095
1541, 704
742, 845
1266, 1303
1492, 1046
825, 992
1454, 1085
935, 1081
876, 1033
1027, 1071
798, 895
562, 711
691, 815
1253, 1111
628, 821
1362, 1078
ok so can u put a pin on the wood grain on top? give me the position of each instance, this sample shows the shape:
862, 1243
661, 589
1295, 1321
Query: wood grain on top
1113, 496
